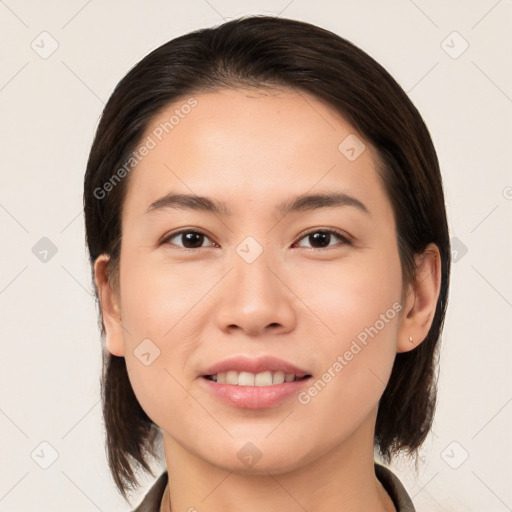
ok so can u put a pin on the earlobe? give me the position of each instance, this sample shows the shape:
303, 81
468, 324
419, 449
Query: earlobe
109, 305
421, 300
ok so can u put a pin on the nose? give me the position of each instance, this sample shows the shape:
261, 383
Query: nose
256, 298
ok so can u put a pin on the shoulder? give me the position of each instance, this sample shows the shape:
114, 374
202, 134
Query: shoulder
153, 498
394, 488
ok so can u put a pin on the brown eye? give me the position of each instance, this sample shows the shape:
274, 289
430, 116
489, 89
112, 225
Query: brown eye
319, 239
322, 238
190, 239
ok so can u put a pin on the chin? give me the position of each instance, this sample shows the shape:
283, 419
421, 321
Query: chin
255, 459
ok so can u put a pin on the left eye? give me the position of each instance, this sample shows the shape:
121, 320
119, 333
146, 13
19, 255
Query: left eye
194, 239
323, 237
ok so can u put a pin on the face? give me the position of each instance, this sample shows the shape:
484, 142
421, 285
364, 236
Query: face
315, 289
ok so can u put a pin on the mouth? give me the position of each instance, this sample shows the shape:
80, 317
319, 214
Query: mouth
248, 379
254, 382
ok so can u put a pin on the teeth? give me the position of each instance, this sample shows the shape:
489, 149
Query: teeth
245, 379
278, 377
253, 379
232, 377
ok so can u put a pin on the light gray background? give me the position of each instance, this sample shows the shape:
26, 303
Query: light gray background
50, 357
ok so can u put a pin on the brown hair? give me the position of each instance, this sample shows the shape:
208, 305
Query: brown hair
272, 52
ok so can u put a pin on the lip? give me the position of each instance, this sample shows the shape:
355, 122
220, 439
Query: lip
254, 397
254, 365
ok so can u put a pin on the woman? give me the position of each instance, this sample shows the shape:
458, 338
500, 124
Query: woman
269, 245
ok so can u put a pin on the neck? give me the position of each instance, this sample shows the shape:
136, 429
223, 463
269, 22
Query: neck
342, 479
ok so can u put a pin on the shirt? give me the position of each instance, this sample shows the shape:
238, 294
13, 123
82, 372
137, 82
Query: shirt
390, 482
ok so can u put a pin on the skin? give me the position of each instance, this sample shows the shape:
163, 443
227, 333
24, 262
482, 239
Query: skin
302, 302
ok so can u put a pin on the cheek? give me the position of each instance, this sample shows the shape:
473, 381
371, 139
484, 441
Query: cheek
155, 297
156, 306
355, 361
351, 296
359, 305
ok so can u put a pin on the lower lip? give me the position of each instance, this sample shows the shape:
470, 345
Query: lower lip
255, 397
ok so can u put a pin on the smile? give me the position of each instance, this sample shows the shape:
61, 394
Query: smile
266, 378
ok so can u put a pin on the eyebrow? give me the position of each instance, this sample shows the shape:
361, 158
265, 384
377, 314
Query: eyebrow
301, 203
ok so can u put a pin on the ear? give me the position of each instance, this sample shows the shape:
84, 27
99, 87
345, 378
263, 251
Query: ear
110, 310
420, 300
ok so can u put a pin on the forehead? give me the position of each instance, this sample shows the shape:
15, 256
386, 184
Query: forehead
246, 146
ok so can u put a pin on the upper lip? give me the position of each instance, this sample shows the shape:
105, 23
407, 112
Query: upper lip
254, 365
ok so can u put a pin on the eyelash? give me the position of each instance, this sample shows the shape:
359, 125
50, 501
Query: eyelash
344, 239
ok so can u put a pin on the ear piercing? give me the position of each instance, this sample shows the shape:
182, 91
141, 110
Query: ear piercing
410, 339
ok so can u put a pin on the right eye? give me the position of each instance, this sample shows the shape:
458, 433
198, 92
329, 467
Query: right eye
191, 239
